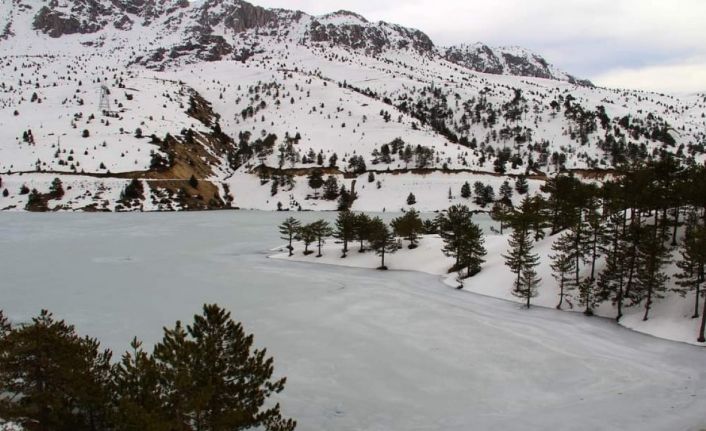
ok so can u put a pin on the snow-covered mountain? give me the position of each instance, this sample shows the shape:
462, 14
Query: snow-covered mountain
222, 103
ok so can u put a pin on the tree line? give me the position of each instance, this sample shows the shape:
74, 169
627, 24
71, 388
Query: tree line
203, 376
463, 239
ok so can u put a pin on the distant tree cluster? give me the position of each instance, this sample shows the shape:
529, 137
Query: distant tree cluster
463, 239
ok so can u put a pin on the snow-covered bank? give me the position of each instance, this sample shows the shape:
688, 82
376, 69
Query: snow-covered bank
670, 317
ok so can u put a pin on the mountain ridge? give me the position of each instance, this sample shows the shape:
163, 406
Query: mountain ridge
344, 28
168, 106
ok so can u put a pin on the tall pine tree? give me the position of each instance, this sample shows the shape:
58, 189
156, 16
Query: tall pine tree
288, 229
345, 229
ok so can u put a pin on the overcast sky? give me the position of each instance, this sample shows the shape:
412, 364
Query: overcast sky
655, 45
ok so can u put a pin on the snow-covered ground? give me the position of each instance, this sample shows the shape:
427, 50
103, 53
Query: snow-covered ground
362, 349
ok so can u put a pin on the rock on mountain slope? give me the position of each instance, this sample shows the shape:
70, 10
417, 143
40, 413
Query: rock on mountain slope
507, 61
221, 103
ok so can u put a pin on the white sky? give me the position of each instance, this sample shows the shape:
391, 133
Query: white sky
655, 45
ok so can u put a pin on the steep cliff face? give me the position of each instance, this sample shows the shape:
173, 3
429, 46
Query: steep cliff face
56, 18
84, 17
506, 61
350, 30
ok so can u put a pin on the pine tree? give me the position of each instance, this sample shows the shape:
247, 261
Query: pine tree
51, 378
472, 248
316, 180
306, 234
382, 240
588, 296
533, 209
521, 185
488, 195
408, 226
288, 229
506, 193
137, 393
322, 230
693, 261
345, 198
411, 199
345, 229
429, 227
652, 256
529, 282
407, 155
501, 213
478, 192
596, 229
56, 190
212, 379
330, 188
362, 229
466, 190
612, 281
580, 247
563, 267
520, 258
452, 226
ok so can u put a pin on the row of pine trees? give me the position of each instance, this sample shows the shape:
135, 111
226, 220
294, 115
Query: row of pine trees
463, 238
205, 376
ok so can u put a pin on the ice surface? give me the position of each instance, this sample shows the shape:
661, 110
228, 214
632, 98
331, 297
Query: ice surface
362, 350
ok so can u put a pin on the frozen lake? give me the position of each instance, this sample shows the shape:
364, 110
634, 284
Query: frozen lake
362, 350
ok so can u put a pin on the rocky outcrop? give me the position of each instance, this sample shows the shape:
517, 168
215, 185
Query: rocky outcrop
506, 61
246, 16
57, 24
482, 59
351, 30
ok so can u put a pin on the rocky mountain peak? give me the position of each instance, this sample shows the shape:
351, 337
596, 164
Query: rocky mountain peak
512, 60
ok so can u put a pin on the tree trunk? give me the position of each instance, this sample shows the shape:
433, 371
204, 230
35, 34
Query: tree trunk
290, 246
561, 293
696, 304
703, 325
676, 225
648, 304
577, 245
594, 256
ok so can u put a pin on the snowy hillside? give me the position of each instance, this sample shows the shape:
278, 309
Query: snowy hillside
220, 103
